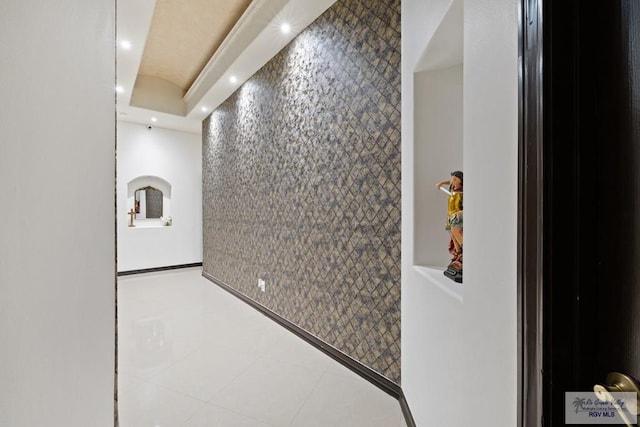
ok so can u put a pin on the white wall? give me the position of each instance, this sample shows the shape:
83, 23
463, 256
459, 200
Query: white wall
459, 356
175, 157
57, 263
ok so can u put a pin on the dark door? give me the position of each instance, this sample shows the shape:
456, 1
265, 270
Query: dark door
590, 197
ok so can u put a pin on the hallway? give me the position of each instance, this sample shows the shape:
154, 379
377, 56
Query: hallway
190, 354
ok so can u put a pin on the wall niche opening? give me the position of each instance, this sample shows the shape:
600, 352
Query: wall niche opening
438, 144
149, 198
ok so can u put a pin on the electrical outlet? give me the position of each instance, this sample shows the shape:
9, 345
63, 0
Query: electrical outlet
261, 285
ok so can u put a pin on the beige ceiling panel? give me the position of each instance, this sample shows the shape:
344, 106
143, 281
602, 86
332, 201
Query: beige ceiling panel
184, 35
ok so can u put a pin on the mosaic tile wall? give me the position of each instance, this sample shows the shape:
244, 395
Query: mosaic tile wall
301, 183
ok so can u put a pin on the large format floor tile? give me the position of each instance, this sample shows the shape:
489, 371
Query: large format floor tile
190, 354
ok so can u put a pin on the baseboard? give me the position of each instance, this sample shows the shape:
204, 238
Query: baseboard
365, 372
406, 411
152, 270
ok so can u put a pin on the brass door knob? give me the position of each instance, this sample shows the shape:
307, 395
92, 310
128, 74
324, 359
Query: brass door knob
619, 383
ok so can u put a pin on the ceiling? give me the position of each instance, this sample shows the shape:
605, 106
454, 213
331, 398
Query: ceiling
177, 60
184, 35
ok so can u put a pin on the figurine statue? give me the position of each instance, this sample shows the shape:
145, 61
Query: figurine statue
132, 215
454, 224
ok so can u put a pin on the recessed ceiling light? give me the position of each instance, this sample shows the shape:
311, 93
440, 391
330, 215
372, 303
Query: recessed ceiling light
125, 44
285, 28
153, 119
233, 79
119, 89
204, 109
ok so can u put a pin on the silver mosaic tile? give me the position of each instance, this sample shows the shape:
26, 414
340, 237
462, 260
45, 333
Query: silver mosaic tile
301, 183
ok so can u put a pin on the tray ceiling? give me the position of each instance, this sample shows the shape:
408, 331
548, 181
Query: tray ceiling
177, 60
184, 35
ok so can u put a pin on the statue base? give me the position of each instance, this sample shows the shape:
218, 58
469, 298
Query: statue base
454, 273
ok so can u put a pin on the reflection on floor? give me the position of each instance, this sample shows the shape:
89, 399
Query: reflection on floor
191, 354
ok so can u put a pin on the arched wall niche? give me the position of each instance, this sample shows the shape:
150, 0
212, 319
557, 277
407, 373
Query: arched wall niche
149, 180
141, 182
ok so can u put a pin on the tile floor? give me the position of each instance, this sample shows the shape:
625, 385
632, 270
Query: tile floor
193, 355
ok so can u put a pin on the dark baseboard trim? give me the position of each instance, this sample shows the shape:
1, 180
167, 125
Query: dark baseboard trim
406, 411
365, 372
151, 270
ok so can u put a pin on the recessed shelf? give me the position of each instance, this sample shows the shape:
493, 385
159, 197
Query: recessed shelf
438, 91
149, 223
435, 275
